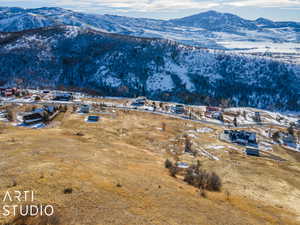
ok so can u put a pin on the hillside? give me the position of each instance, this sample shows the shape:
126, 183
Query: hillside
115, 169
209, 29
111, 64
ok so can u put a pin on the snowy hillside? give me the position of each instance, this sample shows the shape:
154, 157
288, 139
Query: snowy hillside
210, 29
112, 64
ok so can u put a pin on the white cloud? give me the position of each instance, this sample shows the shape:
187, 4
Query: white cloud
143, 5
166, 8
265, 3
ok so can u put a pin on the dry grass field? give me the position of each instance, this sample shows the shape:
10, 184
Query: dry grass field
115, 169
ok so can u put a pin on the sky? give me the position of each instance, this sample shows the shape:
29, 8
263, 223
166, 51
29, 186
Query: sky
278, 10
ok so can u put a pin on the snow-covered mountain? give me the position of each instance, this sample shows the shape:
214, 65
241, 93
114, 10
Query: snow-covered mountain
216, 21
210, 29
113, 64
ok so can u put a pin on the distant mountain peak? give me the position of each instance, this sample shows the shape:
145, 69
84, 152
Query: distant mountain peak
216, 21
210, 12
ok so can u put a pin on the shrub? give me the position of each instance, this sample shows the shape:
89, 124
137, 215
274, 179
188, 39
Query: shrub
189, 176
80, 134
203, 193
74, 108
188, 144
214, 182
202, 179
168, 164
173, 171
68, 190
10, 114
163, 126
46, 116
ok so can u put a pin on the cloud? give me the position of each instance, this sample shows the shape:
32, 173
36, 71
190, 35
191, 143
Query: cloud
265, 3
143, 5
166, 9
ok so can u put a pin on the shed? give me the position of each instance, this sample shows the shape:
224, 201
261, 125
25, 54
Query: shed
252, 151
92, 119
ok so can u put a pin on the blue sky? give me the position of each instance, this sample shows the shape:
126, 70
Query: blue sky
165, 9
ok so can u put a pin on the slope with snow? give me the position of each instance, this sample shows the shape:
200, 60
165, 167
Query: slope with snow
209, 30
112, 64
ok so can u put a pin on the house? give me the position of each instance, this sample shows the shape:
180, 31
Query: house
2, 91
257, 117
33, 117
289, 140
8, 92
252, 151
212, 112
297, 124
140, 101
179, 109
240, 137
217, 116
62, 96
38, 115
84, 108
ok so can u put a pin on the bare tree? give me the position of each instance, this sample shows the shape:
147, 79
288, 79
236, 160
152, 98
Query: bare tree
163, 126
11, 115
188, 144
173, 171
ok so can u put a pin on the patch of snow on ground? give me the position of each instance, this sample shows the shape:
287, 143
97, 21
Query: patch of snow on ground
204, 130
192, 135
182, 73
234, 148
215, 147
160, 81
33, 126
265, 146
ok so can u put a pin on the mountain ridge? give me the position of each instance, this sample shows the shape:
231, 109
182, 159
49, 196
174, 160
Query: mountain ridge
121, 65
214, 31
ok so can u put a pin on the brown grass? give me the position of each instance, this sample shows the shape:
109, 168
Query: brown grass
130, 150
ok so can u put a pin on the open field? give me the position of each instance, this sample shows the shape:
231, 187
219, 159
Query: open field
116, 170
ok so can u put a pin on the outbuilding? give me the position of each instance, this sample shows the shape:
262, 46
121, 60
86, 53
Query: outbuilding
252, 152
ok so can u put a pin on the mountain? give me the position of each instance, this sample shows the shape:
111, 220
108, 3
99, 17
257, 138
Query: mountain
113, 64
215, 21
210, 29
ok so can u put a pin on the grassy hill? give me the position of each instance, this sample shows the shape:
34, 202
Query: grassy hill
115, 172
